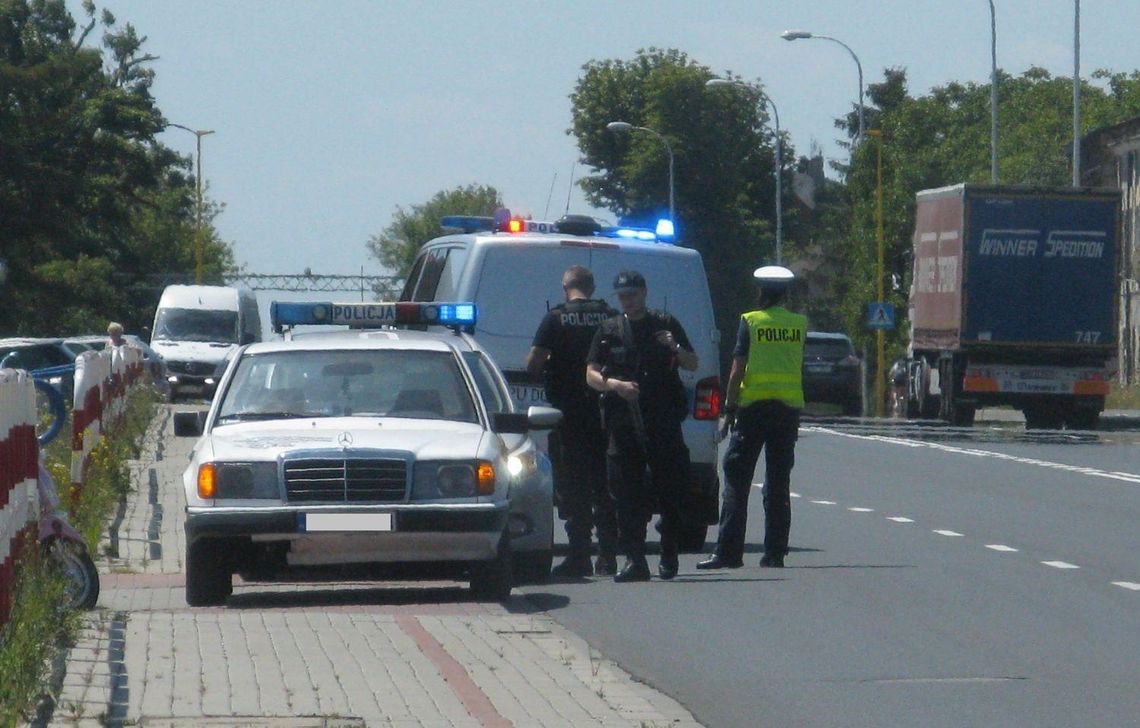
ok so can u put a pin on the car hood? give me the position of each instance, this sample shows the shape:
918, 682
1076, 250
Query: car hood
426, 439
192, 350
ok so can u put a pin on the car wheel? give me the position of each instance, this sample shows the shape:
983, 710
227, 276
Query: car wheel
208, 580
491, 580
532, 567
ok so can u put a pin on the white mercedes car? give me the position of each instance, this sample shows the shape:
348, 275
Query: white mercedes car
380, 451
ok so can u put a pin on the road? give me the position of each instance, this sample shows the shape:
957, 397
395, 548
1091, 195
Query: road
938, 577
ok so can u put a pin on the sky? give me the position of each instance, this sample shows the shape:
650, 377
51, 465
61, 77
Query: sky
330, 115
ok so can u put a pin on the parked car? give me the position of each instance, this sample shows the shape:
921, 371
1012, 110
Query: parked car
832, 372
391, 453
44, 358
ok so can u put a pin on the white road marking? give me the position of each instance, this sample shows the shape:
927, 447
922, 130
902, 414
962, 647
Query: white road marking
1001, 547
824, 503
1094, 472
794, 495
1060, 564
899, 519
946, 533
1127, 585
862, 510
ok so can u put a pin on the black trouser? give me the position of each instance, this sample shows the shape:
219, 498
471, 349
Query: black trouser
584, 499
774, 427
667, 457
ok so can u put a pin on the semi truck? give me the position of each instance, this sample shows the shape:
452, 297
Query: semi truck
1013, 302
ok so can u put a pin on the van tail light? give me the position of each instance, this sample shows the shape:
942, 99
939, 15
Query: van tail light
706, 404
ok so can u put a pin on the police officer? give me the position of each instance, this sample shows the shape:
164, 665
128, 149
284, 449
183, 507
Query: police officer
560, 347
762, 406
633, 360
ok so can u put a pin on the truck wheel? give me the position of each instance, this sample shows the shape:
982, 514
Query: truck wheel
1082, 419
491, 580
853, 407
963, 415
1042, 417
208, 580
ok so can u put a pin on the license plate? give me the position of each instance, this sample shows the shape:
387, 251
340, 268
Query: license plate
819, 368
317, 522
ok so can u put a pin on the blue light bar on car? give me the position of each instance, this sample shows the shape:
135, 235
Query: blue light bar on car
370, 315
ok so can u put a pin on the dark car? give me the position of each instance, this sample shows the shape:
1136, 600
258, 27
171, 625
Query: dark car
46, 359
833, 372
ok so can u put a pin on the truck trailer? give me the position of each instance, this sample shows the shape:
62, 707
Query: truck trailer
1013, 302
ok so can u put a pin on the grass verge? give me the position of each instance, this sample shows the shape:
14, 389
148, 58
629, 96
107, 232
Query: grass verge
1123, 398
38, 627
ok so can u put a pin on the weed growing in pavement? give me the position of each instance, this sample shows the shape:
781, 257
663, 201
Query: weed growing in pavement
38, 627
1123, 397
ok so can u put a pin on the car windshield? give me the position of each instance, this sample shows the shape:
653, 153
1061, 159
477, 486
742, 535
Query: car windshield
195, 324
826, 349
363, 383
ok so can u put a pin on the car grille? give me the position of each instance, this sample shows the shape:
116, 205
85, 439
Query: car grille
340, 480
199, 368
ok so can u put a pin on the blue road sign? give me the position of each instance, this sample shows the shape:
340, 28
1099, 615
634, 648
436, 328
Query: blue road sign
880, 315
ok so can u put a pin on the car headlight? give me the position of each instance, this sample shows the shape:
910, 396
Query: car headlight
523, 463
433, 480
238, 480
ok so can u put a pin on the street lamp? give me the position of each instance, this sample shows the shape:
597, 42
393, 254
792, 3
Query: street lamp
625, 126
1076, 93
799, 34
880, 335
993, 96
199, 133
724, 83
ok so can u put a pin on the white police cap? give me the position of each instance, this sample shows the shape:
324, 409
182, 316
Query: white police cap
773, 274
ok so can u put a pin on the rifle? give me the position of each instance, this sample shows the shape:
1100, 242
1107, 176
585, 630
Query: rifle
634, 405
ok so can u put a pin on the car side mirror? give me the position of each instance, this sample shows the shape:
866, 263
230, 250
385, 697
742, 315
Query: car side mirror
189, 424
536, 418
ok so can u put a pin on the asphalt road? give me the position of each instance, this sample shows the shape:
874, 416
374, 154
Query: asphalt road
938, 577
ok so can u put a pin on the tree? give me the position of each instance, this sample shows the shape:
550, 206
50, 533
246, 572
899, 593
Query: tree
723, 164
80, 171
397, 245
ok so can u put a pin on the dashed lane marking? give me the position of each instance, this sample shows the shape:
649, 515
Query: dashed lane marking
899, 519
943, 532
1060, 564
1001, 547
1127, 585
862, 510
794, 495
824, 502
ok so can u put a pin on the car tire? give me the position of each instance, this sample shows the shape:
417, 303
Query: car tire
532, 567
208, 579
492, 580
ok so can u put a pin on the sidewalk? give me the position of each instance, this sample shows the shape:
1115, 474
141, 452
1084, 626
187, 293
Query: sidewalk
341, 654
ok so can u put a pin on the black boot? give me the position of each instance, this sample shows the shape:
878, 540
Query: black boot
772, 561
605, 565
636, 568
716, 562
576, 565
667, 567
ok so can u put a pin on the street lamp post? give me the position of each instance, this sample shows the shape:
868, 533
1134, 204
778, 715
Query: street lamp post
625, 126
799, 34
198, 133
993, 96
1076, 93
722, 83
880, 335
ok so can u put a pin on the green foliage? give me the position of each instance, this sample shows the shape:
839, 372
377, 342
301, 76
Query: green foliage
397, 245
943, 138
724, 159
81, 176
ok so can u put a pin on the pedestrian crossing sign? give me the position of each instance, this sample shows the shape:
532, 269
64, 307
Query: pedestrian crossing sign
880, 315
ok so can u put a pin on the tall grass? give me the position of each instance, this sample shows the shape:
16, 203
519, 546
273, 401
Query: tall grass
38, 626
1123, 398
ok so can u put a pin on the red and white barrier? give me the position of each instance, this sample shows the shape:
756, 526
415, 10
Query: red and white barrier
102, 381
19, 457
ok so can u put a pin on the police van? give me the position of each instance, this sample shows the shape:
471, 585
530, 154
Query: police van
512, 269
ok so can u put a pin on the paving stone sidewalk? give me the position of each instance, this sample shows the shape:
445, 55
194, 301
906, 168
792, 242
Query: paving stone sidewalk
338, 655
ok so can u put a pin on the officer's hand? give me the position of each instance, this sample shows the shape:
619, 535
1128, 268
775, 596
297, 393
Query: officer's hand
725, 424
626, 390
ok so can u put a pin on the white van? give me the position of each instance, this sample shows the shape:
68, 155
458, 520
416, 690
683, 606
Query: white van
195, 330
515, 277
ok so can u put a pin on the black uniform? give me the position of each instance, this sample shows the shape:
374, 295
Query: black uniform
663, 406
579, 448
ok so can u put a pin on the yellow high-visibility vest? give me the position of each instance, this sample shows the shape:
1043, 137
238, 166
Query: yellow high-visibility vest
775, 357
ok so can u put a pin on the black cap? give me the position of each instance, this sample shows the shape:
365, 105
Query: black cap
628, 280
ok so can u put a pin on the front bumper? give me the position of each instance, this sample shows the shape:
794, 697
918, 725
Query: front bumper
419, 534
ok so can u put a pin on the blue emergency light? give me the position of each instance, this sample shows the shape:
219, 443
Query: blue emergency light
371, 315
